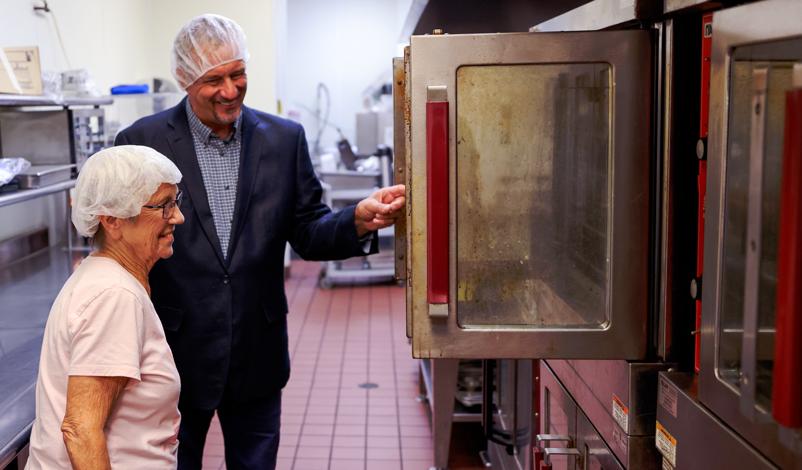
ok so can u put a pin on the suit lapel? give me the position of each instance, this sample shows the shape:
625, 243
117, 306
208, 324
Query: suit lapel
254, 145
179, 138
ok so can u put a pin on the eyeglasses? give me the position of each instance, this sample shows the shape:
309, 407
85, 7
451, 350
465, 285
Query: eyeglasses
167, 207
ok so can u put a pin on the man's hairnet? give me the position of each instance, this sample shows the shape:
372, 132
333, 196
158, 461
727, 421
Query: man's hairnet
116, 182
204, 43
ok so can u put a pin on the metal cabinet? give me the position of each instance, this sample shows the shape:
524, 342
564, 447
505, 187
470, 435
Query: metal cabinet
594, 451
567, 439
618, 398
527, 163
558, 426
343, 188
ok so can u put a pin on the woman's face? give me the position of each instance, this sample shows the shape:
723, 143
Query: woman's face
150, 235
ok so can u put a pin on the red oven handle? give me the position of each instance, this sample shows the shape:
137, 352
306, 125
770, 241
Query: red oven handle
787, 386
437, 201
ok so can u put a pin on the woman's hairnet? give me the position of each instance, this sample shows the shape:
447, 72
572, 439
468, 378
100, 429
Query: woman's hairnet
204, 43
116, 182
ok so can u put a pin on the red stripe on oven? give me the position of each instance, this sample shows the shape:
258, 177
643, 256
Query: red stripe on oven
701, 183
707, 47
437, 201
787, 386
704, 105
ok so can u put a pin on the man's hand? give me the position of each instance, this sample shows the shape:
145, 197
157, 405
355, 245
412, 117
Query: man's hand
380, 210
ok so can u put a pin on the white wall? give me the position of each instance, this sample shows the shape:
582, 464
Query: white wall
346, 44
123, 41
110, 39
280, 37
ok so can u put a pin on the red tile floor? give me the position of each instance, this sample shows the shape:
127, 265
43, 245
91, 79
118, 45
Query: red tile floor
340, 340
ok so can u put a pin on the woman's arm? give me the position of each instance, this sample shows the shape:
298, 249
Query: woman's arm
89, 402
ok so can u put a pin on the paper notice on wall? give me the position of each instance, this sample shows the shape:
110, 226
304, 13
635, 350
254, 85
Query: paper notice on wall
20, 72
8, 81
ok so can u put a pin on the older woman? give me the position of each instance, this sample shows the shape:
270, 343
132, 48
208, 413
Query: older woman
107, 391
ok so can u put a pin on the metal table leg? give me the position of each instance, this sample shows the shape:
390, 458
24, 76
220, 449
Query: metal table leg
444, 383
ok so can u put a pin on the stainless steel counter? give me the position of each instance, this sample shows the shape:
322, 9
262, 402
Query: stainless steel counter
27, 194
27, 290
42, 100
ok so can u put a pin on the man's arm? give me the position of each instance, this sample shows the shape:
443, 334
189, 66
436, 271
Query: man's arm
89, 402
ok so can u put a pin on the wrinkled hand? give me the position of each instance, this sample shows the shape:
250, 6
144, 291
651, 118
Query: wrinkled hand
380, 210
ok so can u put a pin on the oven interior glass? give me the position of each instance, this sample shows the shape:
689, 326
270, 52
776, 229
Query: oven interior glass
774, 61
533, 172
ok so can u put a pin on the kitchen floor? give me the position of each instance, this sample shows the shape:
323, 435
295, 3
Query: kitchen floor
351, 400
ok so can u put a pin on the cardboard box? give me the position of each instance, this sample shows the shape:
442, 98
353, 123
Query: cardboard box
20, 71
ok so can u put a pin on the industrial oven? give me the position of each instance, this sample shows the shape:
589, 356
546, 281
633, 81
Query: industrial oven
556, 212
528, 177
751, 336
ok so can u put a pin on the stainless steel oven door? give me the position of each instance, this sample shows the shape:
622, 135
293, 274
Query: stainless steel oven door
756, 49
528, 194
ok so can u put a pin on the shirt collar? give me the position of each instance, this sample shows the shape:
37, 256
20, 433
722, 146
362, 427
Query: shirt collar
204, 133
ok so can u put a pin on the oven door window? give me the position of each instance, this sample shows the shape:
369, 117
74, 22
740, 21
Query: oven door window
746, 326
533, 167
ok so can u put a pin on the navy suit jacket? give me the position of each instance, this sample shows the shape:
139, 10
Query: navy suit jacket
225, 317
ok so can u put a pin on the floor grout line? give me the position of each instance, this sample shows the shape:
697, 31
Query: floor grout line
340, 379
314, 368
368, 378
390, 315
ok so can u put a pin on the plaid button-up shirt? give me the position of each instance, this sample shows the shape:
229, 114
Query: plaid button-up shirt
219, 164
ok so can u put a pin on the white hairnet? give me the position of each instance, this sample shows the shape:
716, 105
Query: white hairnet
204, 43
116, 182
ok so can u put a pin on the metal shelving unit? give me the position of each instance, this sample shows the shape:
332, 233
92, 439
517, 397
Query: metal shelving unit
341, 189
21, 195
438, 384
27, 100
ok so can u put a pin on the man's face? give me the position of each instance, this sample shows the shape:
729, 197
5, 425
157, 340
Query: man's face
216, 97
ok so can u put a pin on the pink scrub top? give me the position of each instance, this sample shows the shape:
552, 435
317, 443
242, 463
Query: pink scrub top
104, 324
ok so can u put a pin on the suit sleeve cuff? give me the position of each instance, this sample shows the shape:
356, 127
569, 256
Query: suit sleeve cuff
366, 241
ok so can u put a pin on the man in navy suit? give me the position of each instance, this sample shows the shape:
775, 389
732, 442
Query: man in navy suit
249, 188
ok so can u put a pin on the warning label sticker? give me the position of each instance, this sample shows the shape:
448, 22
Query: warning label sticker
667, 397
666, 444
620, 413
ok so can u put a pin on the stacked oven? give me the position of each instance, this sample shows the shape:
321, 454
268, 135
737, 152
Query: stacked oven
607, 209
